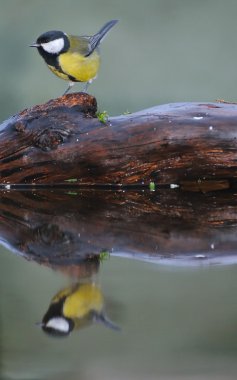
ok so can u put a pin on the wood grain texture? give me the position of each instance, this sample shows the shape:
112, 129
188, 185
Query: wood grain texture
63, 140
68, 228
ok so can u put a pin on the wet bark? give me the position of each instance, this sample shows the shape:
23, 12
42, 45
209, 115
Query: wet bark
65, 229
63, 142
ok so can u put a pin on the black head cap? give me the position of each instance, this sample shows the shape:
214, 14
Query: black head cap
53, 42
50, 36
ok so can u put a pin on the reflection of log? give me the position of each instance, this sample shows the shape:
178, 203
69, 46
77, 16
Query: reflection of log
60, 228
63, 140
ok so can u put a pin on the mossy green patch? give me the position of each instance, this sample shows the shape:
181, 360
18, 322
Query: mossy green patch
152, 186
102, 117
104, 255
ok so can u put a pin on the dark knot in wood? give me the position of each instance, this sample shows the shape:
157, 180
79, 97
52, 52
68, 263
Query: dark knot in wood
50, 139
20, 126
49, 125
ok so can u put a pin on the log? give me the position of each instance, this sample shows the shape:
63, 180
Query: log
63, 142
67, 229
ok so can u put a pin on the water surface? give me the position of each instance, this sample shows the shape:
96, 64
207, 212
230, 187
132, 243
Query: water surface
175, 321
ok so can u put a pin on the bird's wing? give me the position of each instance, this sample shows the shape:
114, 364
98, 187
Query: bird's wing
80, 45
85, 44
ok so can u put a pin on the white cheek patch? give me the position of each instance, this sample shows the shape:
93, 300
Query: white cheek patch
59, 324
54, 47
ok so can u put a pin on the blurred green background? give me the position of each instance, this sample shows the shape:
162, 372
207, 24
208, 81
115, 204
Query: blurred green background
161, 51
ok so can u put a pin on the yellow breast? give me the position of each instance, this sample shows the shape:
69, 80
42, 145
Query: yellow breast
78, 66
86, 298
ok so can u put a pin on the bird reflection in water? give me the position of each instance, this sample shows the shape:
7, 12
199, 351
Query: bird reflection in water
75, 307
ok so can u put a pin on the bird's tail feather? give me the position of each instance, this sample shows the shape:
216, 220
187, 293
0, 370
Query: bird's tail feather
97, 38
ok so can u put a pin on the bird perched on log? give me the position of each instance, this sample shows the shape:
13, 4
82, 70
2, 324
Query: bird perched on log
72, 58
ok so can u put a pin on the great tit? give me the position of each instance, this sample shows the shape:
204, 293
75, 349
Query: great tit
75, 307
73, 58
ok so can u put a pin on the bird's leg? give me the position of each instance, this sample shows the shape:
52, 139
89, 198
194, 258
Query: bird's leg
69, 87
85, 88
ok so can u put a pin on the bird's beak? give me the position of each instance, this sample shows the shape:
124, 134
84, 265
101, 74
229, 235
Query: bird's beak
35, 45
39, 324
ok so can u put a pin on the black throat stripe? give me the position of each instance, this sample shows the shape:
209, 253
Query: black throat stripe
52, 60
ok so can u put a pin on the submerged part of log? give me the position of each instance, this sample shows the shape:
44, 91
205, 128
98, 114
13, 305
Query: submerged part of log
63, 141
64, 229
